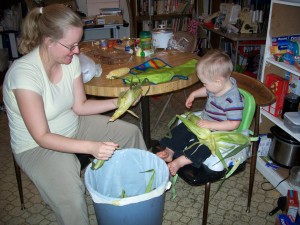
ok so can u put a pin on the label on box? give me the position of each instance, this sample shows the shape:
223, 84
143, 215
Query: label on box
280, 39
294, 84
283, 219
293, 204
264, 145
110, 19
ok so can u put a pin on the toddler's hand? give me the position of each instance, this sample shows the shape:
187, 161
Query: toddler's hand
189, 102
204, 124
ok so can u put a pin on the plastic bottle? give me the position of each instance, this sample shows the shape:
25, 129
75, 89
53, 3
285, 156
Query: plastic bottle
145, 40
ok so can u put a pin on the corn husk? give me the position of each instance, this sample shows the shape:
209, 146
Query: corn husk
229, 142
125, 101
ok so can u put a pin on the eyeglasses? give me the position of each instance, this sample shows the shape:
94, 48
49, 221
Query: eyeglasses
70, 48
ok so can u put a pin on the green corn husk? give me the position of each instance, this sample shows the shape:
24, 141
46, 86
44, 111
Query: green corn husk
123, 194
230, 142
149, 186
226, 142
191, 122
125, 100
96, 165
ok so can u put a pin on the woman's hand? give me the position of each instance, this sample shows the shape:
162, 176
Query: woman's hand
104, 150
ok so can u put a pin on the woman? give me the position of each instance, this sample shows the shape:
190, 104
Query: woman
50, 118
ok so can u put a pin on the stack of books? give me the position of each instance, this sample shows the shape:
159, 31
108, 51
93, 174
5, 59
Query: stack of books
109, 16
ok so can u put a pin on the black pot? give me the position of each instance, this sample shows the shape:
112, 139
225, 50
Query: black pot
284, 149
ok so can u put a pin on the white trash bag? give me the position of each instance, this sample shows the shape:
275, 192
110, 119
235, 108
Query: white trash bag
88, 68
125, 172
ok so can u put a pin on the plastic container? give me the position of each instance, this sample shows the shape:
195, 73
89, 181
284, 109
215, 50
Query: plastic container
292, 121
295, 176
125, 171
291, 103
145, 40
161, 36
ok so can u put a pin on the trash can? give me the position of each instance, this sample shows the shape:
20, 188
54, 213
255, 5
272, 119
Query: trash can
126, 173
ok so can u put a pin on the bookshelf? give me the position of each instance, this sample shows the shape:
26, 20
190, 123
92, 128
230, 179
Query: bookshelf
148, 14
279, 26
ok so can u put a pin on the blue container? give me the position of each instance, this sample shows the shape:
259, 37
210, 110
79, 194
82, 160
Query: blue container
125, 171
148, 212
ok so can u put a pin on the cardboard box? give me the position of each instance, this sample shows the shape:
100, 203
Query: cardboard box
283, 219
264, 145
294, 84
280, 87
293, 204
109, 19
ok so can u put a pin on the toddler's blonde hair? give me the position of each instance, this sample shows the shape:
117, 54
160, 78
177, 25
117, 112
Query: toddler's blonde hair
215, 63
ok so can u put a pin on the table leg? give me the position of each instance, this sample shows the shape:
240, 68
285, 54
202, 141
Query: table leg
146, 120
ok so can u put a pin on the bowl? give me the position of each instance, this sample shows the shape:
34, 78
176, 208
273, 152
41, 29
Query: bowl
109, 56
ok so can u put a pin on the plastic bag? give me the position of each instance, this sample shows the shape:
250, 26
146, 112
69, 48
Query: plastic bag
124, 172
88, 68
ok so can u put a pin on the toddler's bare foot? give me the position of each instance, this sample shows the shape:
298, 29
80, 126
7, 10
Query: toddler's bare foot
166, 155
176, 164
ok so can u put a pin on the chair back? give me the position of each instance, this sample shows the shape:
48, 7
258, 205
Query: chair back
249, 110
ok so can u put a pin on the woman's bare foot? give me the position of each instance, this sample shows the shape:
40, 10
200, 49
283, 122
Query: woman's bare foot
176, 164
166, 155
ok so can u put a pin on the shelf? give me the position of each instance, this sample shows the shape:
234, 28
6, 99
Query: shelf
282, 65
274, 176
290, 2
279, 25
162, 17
176, 19
279, 122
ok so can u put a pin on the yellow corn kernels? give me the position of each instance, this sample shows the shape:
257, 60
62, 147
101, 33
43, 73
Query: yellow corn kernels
117, 73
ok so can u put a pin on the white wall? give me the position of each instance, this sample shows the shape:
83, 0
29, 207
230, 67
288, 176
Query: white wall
91, 8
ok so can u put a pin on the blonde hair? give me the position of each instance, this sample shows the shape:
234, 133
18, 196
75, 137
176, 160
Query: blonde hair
50, 21
215, 63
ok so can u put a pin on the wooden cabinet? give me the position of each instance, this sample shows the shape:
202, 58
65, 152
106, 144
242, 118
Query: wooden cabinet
148, 14
283, 21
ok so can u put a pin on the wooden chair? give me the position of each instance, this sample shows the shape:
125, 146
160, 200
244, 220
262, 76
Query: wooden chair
203, 176
84, 160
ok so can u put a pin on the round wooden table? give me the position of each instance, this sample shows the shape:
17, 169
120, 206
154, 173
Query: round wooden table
100, 86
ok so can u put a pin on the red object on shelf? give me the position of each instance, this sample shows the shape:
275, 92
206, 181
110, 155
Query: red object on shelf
210, 25
280, 87
293, 204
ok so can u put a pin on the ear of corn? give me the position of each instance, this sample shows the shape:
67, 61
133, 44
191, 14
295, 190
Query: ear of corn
96, 165
191, 122
125, 100
117, 73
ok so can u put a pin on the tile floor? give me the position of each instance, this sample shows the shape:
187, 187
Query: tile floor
228, 207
